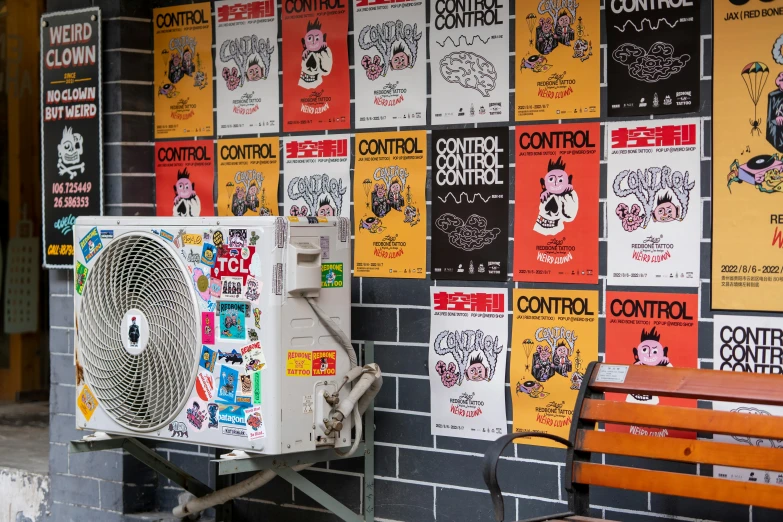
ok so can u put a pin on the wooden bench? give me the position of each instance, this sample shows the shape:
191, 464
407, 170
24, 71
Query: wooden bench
708, 385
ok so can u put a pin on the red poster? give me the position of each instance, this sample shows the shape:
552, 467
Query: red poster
184, 173
556, 216
654, 330
316, 85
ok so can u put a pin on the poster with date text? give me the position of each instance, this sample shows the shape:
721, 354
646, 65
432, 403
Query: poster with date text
556, 215
248, 176
317, 172
184, 177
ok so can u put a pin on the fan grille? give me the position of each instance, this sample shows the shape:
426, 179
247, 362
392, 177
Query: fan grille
141, 392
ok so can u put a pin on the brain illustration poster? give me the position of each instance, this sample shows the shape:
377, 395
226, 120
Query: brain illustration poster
317, 171
470, 189
469, 46
246, 55
652, 330
557, 60
554, 338
654, 203
184, 177
316, 85
390, 211
467, 362
390, 63
653, 52
183, 71
556, 211
747, 157
248, 176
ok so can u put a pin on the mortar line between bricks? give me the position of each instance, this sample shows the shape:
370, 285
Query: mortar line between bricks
409, 412
646, 513
83, 506
466, 453
396, 306
393, 343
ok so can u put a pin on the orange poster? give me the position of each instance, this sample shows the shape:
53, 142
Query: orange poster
248, 176
184, 177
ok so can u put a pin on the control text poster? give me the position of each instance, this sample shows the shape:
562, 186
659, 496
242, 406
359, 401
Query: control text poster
184, 177
317, 172
248, 175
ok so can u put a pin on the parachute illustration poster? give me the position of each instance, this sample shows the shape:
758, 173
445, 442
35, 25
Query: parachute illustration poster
184, 177
557, 60
747, 229
317, 172
248, 176
467, 362
556, 215
654, 203
183, 71
390, 212
554, 337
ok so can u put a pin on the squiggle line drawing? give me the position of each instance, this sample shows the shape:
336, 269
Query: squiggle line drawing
641, 25
471, 234
460, 39
467, 198
659, 63
470, 70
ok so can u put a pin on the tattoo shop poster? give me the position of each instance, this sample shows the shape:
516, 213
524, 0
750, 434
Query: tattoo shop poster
653, 330
183, 71
557, 60
184, 177
653, 57
246, 52
554, 338
390, 64
390, 211
747, 157
248, 175
556, 216
317, 173
316, 85
654, 203
470, 189
467, 361
469, 47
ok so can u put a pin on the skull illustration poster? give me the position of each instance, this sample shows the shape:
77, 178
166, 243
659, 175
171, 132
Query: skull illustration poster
390, 212
467, 362
71, 135
652, 57
183, 71
316, 85
184, 177
469, 47
390, 63
556, 211
654, 203
554, 337
317, 171
557, 60
246, 56
248, 176
652, 330
470, 189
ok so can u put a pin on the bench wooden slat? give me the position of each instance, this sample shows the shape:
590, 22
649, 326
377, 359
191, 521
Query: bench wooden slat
678, 484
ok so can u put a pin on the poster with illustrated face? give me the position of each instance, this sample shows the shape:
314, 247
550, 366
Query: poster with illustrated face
317, 172
652, 57
248, 175
390, 211
390, 63
556, 215
467, 362
246, 56
652, 330
557, 60
184, 177
554, 338
470, 190
316, 85
183, 71
654, 203
469, 47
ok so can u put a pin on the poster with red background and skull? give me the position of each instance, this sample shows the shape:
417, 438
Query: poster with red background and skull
184, 177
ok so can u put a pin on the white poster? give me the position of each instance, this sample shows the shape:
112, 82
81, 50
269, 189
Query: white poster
390, 60
317, 174
469, 51
467, 361
246, 57
653, 203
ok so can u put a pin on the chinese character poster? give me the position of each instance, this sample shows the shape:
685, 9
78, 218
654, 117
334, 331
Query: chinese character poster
317, 172
248, 176
184, 177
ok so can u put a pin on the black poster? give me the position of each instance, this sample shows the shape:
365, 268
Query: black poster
71, 137
654, 58
470, 204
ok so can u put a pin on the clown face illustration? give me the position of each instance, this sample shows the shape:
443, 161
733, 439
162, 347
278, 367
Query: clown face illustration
316, 56
559, 202
69, 153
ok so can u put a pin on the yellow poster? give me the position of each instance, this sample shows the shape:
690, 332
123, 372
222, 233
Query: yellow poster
390, 213
557, 60
248, 175
554, 338
747, 158
183, 71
